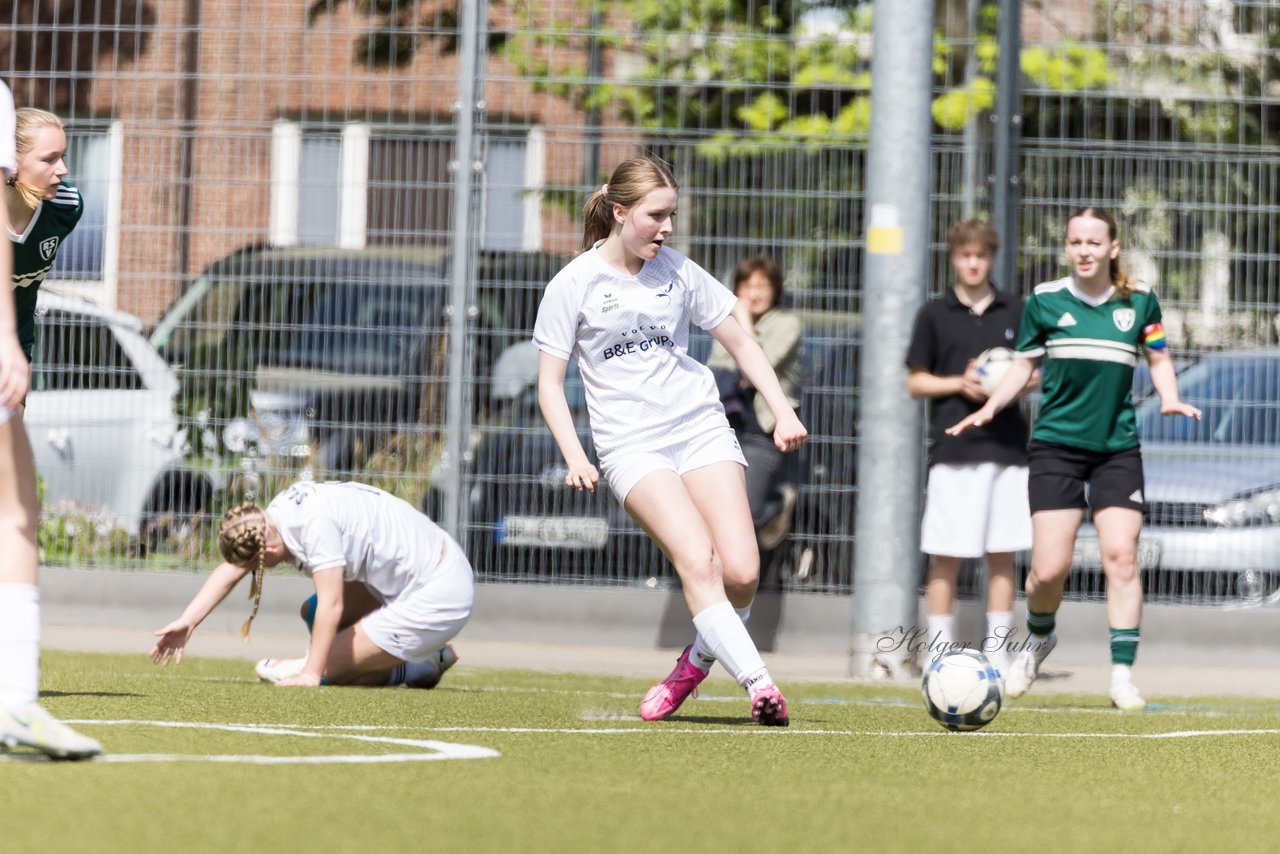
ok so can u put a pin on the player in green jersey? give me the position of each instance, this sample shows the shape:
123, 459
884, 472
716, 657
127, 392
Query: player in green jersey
43, 209
31, 155
1090, 328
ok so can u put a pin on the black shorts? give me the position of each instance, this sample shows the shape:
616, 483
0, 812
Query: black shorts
1058, 474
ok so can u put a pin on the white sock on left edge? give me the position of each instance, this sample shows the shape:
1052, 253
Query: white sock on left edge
732, 646
19, 644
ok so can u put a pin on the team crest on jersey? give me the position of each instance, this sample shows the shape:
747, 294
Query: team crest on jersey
1124, 318
48, 247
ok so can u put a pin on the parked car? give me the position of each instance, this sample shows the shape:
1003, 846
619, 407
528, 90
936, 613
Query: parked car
317, 350
1212, 526
100, 416
525, 523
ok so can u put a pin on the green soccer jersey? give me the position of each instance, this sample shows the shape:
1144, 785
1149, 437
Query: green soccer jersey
34, 252
1090, 348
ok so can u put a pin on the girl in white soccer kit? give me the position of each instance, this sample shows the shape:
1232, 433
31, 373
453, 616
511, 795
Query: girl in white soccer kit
392, 588
622, 308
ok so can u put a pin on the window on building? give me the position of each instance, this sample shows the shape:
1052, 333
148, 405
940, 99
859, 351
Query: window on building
404, 194
319, 188
82, 255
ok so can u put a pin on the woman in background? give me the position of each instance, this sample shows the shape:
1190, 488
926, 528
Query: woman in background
757, 282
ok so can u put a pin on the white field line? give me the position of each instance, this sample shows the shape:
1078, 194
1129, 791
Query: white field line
893, 703
333, 730
430, 750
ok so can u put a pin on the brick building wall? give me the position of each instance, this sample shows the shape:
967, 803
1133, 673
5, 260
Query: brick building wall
259, 61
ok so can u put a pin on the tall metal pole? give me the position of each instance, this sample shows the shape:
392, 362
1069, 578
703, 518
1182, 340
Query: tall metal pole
190, 119
896, 264
467, 168
591, 168
1007, 124
969, 193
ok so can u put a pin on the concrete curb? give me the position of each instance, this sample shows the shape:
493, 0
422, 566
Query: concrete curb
794, 624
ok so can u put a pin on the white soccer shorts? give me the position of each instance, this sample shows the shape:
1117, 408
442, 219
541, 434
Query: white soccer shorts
419, 621
976, 509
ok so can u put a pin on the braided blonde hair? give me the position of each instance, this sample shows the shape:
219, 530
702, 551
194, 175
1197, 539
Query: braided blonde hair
242, 539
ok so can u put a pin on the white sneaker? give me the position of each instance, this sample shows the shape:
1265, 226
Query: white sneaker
427, 674
31, 726
1125, 697
1026, 667
274, 670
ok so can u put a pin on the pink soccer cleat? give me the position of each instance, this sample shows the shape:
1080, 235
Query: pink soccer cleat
664, 698
769, 707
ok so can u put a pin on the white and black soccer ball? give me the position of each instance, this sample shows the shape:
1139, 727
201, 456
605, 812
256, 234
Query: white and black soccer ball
962, 690
992, 365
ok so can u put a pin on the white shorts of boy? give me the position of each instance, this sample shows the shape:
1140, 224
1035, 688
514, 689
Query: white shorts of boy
976, 509
623, 469
420, 620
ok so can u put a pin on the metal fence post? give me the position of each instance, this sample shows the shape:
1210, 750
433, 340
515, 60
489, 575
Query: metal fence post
1008, 131
886, 555
467, 168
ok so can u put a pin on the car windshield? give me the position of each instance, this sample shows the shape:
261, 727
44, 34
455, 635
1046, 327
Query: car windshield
368, 329
363, 324
1238, 395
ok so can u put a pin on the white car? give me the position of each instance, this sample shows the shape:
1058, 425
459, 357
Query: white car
1212, 526
100, 416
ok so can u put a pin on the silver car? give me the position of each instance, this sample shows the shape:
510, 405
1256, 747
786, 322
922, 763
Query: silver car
100, 416
1212, 526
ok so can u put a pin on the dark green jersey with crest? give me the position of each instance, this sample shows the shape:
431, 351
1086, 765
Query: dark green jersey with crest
1090, 348
34, 252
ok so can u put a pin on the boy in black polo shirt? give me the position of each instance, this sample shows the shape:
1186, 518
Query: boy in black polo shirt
977, 496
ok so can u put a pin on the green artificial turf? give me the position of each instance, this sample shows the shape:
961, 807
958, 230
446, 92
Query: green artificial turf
861, 768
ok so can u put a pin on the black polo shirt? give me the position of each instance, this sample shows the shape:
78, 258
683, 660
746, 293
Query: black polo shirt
947, 335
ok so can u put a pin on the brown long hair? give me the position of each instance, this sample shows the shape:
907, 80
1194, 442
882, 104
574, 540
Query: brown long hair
27, 121
630, 182
242, 539
1119, 278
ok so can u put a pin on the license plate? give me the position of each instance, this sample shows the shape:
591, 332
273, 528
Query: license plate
1087, 554
566, 532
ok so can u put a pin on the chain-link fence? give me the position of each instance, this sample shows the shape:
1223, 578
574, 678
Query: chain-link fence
279, 191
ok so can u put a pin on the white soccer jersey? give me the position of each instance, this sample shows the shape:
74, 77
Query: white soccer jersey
8, 132
378, 539
630, 335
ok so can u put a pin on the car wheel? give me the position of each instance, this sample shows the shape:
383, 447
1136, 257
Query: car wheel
176, 519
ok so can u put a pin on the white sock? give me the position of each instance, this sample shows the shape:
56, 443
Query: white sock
1121, 674
701, 654
19, 644
732, 646
940, 631
999, 632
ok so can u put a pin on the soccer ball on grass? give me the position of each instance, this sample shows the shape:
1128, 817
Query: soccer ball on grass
962, 690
